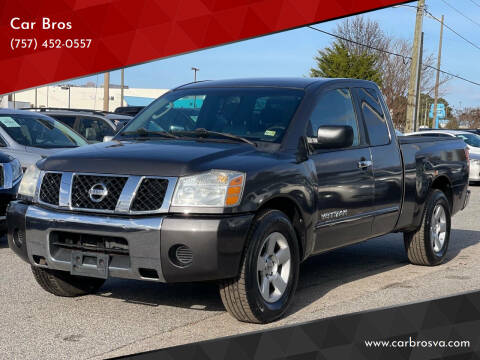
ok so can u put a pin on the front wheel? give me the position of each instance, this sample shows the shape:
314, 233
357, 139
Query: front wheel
62, 283
269, 271
428, 245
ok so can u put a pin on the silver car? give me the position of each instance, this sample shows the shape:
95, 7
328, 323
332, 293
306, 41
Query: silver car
30, 137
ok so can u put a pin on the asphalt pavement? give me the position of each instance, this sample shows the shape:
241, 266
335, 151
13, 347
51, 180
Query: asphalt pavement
132, 316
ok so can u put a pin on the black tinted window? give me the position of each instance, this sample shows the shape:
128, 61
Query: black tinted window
65, 119
335, 107
377, 128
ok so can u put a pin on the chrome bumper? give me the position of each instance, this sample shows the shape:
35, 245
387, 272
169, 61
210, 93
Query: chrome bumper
142, 235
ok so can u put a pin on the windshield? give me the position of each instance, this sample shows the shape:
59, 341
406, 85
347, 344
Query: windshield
257, 114
39, 132
470, 139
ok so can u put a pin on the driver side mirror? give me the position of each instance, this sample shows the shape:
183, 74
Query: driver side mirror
334, 137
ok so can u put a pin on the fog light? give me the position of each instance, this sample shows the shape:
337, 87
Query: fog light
181, 255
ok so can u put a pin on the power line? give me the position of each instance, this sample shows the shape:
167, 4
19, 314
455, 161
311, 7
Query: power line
473, 2
461, 13
447, 26
405, 57
453, 30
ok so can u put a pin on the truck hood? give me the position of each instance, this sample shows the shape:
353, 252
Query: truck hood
147, 157
44, 152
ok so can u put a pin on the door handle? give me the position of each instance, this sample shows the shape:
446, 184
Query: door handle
363, 164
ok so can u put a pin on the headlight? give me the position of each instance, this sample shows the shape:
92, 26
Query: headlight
16, 169
215, 188
29, 182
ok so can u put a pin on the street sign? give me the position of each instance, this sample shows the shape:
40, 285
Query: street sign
441, 113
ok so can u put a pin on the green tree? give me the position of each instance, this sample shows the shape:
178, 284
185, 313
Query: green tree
338, 62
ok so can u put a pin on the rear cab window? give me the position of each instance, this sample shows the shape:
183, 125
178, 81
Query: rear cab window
374, 116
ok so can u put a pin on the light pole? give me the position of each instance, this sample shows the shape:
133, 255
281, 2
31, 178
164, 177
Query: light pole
122, 84
195, 69
67, 87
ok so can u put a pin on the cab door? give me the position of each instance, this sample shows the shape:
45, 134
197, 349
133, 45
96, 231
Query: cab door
345, 193
387, 160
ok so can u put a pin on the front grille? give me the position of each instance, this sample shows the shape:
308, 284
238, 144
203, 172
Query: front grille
106, 193
50, 189
150, 195
82, 184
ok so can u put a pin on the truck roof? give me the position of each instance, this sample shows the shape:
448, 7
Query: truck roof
287, 82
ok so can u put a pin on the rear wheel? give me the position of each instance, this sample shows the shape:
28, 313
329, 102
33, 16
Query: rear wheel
269, 271
62, 283
428, 245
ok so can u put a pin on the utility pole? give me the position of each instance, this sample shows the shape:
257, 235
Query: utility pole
195, 69
417, 91
412, 84
122, 79
437, 81
106, 88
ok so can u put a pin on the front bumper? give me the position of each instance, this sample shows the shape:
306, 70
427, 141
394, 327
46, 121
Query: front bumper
216, 243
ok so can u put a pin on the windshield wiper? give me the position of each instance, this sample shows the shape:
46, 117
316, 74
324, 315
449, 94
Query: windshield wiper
202, 132
145, 133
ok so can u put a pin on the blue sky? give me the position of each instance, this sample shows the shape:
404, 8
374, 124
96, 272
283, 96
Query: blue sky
291, 53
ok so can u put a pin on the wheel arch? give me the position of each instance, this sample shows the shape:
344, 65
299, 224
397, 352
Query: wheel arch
292, 210
443, 184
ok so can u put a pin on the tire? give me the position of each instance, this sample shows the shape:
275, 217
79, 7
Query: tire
271, 234
61, 283
425, 246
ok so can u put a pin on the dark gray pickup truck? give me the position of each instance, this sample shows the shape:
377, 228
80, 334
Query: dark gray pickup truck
237, 181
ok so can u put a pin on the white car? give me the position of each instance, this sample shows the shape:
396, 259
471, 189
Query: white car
473, 143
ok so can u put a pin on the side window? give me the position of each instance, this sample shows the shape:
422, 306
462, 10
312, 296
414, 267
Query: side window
375, 121
335, 107
94, 129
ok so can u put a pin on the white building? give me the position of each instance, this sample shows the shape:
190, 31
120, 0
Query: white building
79, 97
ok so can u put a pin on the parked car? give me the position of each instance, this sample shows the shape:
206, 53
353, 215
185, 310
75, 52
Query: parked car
129, 110
475, 131
92, 125
471, 139
29, 136
10, 176
273, 172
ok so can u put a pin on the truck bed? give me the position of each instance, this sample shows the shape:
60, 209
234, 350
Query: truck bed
427, 158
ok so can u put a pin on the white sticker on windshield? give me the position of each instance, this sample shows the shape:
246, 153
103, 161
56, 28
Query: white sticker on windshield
270, 133
8, 121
